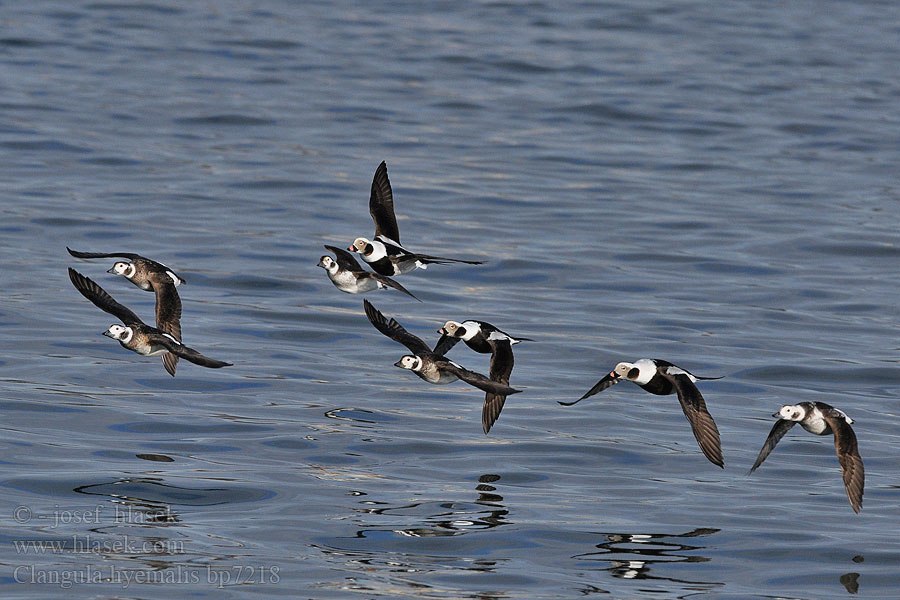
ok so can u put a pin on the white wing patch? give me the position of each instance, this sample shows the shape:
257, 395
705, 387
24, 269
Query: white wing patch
680, 371
843, 414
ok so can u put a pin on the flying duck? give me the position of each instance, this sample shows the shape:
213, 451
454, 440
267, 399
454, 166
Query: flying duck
135, 335
662, 378
348, 276
821, 419
484, 338
384, 253
429, 364
155, 277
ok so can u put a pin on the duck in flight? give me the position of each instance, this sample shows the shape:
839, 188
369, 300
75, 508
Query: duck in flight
662, 378
384, 253
134, 334
431, 365
155, 277
347, 275
484, 338
822, 419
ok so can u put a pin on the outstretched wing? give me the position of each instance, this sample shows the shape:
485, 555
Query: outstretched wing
444, 344
781, 427
476, 379
385, 280
501, 368
848, 455
381, 205
185, 352
96, 294
128, 255
608, 381
345, 260
168, 319
694, 407
395, 330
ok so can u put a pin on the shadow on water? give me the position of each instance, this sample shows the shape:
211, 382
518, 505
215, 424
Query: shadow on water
633, 555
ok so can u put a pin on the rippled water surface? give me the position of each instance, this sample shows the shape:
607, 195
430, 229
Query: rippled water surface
715, 185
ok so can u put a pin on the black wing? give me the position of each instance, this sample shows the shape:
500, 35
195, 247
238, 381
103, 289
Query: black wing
391, 283
694, 407
608, 381
501, 368
476, 379
185, 352
345, 260
502, 360
128, 255
848, 455
395, 330
381, 205
96, 294
444, 344
168, 319
781, 427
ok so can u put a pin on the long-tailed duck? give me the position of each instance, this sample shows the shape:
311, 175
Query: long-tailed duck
135, 335
484, 338
662, 378
384, 253
821, 419
348, 276
427, 364
155, 277
477, 335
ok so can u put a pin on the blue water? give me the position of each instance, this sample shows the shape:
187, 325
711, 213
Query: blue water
715, 185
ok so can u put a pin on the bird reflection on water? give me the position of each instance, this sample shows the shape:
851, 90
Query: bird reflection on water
448, 518
632, 555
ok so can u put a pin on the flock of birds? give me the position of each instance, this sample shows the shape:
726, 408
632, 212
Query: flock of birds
389, 258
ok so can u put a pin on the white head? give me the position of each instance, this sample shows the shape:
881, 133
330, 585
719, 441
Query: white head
450, 328
328, 263
791, 412
371, 251
627, 370
413, 363
360, 245
119, 332
125, 269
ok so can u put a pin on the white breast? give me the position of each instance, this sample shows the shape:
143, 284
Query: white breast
814, 422
647, 370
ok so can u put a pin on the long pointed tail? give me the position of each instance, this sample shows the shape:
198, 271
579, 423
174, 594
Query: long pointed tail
425, 258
